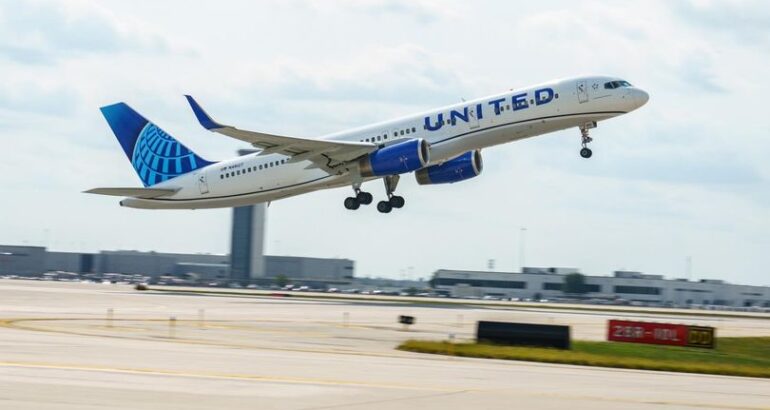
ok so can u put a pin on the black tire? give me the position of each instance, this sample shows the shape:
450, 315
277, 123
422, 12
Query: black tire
351, 203
384, 207
586, 152
397, 201
364, 198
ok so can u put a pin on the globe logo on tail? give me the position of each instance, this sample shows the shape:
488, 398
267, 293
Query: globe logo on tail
159, 157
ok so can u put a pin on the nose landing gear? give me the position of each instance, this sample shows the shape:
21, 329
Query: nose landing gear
586, 152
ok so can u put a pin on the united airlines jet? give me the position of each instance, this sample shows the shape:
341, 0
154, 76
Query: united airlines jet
440, 146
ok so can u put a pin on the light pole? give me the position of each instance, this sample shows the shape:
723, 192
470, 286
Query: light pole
522, 237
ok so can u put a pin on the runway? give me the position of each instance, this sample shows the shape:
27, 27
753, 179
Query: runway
60, 348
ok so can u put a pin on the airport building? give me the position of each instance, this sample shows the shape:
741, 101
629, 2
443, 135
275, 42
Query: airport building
247, 243
632, 287
246, 263
36, 260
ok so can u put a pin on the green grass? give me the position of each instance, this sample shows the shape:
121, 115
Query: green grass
734, 356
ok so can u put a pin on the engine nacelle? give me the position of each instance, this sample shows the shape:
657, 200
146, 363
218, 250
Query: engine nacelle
396, 159
466, 166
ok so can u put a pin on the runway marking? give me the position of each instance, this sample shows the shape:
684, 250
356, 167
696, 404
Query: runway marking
220, 376
17, 324
345, 383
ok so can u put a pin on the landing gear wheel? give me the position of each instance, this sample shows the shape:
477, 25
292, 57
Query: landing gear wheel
586, 139
384, 207
396, 201
364, 198
352, 203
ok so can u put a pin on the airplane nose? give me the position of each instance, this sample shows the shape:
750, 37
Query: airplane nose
641, 97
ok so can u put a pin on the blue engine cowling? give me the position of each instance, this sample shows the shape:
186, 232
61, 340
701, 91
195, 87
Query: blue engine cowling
464, 167
396, 159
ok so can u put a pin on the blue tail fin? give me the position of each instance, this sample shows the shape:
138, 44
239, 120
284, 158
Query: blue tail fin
155, 155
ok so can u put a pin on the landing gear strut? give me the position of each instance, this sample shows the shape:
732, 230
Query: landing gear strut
361, 198
586, 152
394, 201
365, 198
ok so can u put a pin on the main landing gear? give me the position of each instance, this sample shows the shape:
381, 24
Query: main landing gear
394, 201
361, 198
365, 198
586, 152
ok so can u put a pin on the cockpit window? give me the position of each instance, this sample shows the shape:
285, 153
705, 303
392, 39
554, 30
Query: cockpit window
616, 84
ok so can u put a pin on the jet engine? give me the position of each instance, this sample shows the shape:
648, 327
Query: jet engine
396, 159
464, 167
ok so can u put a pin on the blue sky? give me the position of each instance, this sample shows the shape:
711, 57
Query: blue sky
687, 175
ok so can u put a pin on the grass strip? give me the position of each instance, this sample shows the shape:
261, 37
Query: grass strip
734, 356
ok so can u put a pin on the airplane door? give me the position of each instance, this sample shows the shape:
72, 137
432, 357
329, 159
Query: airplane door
582, 91
203, 185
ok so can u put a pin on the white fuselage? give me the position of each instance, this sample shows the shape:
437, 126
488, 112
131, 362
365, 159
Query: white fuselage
492, 120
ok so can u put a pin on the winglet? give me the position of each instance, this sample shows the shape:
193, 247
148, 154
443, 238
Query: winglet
206, 121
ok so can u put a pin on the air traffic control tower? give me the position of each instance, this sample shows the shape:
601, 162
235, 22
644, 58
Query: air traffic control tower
247, 260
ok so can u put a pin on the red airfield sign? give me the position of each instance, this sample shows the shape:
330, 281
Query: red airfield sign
660, 333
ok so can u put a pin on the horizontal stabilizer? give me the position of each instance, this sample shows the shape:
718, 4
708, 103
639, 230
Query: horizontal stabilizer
145, 193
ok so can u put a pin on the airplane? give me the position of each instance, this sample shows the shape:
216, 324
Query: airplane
439, 146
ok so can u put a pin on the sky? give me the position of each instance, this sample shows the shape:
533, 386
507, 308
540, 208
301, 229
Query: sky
686, 177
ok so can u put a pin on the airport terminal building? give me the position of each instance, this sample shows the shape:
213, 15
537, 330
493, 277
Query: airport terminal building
245, 264
37, 260
633, 287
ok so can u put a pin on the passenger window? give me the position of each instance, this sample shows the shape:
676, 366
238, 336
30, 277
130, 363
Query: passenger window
414, 129
556, 95
407, 130
221, 177
508, 107
402, 132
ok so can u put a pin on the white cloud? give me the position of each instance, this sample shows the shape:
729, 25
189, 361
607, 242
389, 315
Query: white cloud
687, 175
44, 31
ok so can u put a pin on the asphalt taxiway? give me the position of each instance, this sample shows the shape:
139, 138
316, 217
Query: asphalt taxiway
76, 346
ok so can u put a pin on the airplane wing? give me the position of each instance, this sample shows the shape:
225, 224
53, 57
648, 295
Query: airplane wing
145, 193
325, 154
